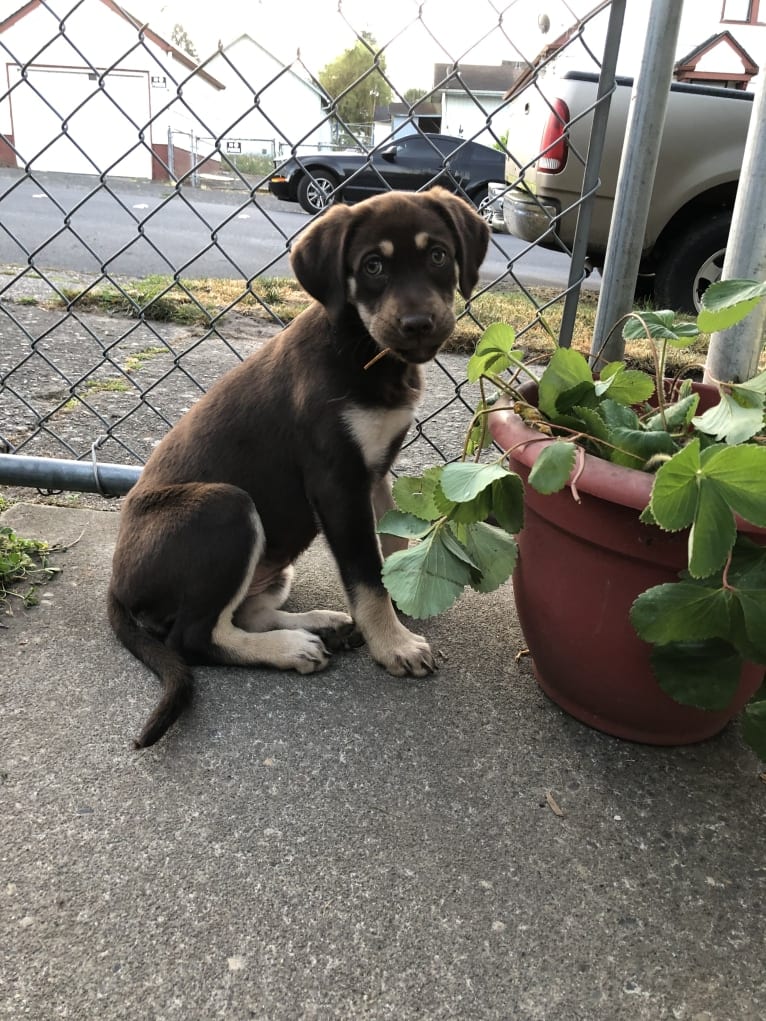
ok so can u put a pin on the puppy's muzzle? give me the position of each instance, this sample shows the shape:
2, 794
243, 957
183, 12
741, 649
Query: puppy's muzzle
418, 326
420, 335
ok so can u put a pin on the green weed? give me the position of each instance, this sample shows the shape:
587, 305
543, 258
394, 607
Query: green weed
24, 567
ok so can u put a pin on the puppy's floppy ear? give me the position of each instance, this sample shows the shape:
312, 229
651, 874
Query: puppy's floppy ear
471, 234
318, 258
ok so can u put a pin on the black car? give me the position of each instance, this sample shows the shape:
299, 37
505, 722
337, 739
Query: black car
410, 163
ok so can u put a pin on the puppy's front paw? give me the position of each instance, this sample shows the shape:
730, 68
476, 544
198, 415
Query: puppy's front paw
411, 655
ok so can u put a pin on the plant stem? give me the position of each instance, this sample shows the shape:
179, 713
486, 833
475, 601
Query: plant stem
725, 576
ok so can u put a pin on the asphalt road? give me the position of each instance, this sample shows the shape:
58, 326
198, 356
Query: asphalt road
139, 228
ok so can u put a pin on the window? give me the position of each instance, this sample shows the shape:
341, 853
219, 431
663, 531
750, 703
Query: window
743, 12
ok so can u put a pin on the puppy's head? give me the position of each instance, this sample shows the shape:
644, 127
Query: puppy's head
398, 259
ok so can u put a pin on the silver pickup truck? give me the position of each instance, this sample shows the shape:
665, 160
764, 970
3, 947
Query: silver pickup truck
703, 141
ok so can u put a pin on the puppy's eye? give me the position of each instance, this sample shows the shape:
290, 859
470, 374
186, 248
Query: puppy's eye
438, 255
373, 265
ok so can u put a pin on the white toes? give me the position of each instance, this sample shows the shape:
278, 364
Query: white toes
307, 654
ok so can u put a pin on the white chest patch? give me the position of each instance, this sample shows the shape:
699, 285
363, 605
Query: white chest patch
375, 429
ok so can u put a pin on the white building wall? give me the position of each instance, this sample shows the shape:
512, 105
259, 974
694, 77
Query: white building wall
274, 105
61, 83
463, 118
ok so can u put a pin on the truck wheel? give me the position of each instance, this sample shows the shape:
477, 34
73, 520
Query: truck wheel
315, 190
693, 263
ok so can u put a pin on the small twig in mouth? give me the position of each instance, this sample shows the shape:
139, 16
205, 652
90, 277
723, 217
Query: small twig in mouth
378, 356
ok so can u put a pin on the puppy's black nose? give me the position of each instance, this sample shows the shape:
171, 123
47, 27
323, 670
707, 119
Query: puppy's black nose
417, 325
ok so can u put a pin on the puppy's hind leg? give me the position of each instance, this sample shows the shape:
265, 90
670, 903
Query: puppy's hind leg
261, 611
285, 648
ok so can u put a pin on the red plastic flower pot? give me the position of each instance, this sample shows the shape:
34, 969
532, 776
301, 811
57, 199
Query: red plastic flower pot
581, 566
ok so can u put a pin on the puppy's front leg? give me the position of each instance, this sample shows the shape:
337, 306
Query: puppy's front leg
350, 532
393, 645
382, 501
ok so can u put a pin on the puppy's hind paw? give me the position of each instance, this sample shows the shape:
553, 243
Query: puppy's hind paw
342, 639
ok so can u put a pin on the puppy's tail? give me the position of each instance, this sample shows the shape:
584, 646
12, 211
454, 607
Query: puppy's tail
173, 672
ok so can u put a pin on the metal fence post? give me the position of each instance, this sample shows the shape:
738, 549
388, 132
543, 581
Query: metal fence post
193, 145
733, 354
634, 183
171, 156
606, 85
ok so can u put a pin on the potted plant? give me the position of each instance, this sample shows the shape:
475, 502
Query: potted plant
631, 511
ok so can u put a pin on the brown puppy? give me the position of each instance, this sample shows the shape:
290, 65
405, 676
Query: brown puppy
299, 437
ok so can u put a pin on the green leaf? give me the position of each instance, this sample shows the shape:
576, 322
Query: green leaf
508, 502
676, 489
590, 422
736, 418
713, 533
494, 552
617, 416
565, 370
554, 465
494, 352
728, 302
407, 526
704, 491
626, 386
754, 723
751, 641
581, 393
416, 495
463, 481
681, 611
704, 674
646, 517
636, 448
739, 474
469, 511
660, 326
757, 383
427, 578
677, 415
593, 428
747, 578
457, 549
748, 565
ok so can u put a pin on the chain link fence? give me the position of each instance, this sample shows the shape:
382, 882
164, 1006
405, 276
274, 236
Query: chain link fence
142, 253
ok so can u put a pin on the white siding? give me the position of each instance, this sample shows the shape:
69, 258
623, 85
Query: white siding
99, 136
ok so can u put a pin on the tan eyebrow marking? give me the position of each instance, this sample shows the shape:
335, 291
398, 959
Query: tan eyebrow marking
386, 248
422, 240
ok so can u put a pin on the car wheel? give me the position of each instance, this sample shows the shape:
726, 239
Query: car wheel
693, 262
315, 190
482, 203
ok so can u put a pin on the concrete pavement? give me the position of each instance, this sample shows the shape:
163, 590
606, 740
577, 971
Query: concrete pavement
352, 846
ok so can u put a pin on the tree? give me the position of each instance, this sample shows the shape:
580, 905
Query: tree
357, 71
411, 96
180, 38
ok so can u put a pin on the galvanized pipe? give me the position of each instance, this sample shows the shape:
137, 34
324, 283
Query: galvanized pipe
635, 181
57, 473
590, 180
733, 354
